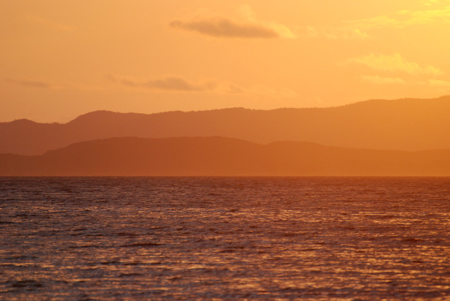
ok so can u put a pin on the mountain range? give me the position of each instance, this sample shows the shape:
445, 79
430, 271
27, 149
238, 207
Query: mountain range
405, 137
404, 124
218, 156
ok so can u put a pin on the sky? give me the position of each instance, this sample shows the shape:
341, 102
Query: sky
61, 59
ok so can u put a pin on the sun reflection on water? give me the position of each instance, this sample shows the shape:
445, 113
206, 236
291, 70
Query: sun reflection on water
225, 238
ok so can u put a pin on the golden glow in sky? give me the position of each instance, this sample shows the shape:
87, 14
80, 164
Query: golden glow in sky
60, 59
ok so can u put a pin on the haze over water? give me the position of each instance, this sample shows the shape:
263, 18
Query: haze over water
224, 238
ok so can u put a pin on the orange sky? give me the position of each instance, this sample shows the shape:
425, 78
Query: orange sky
60, 59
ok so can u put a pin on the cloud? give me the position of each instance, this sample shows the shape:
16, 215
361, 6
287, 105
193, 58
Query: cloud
358, 29
403, 19
169, 83
29, 83
179, 84
222, 28
430, 2
336, 33
394, 63
250, 28
438, 83
378, 80
428, 16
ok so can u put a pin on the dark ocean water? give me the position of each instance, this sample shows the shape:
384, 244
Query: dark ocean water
224, 238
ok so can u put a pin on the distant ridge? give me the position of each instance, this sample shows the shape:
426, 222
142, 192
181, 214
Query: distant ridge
218, 156
404, 124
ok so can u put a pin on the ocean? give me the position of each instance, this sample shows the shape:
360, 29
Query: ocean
201, 238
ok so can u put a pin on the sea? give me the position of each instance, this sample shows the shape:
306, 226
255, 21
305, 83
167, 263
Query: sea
224, 238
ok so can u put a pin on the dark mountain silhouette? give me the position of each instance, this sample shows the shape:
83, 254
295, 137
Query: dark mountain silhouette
405, 124
216, 156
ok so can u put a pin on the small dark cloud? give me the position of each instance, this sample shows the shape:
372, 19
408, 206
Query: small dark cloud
179, 84
111, 77
223, 28
234, 89
170, 83
176, 84
28, 83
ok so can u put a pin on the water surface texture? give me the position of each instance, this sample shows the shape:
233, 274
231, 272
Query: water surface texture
224, 238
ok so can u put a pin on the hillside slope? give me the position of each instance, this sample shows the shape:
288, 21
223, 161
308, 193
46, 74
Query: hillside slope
217, 156
406, 124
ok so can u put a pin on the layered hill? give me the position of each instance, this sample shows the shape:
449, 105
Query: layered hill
405, 124
217, 156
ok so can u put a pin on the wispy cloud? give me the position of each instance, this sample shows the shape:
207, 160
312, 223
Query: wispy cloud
430, 2
380, 80
336, 33
182, 85
29, 83
360, 29
221, 27
438, 83
403, 19
394, 63
169, 83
